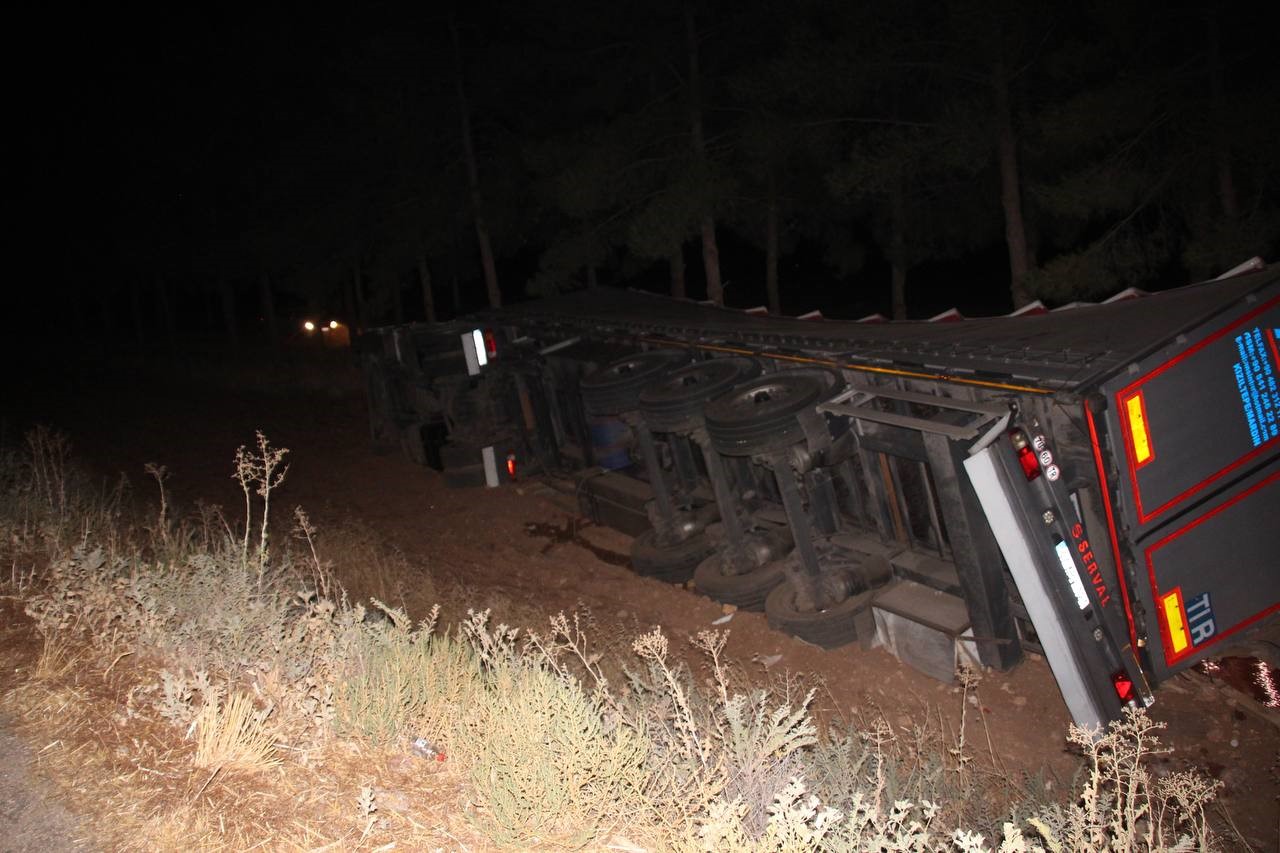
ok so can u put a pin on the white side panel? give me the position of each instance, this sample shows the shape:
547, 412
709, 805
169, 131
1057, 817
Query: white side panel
469, 350
490, 467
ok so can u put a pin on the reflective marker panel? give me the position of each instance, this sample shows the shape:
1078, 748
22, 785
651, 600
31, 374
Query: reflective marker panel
1175, 622
473, 348
1139, 438
1073, 574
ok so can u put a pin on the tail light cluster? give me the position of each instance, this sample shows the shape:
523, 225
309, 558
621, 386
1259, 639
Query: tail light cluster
480, 346
1126, 690
1034, 456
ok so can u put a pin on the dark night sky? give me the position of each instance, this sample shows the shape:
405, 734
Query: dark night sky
153, 143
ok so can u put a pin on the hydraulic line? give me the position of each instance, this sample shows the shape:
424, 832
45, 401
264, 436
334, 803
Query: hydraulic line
864, 368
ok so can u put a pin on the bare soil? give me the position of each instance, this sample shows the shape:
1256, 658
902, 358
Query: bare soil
525, 552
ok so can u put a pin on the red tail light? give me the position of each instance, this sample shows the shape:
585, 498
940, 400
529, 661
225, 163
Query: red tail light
490, 343
1026, 456
1124, 686
511, 465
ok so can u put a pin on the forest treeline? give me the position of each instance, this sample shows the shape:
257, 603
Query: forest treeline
398, 166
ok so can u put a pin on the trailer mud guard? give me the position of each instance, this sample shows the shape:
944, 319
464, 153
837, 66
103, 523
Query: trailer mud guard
1087, 709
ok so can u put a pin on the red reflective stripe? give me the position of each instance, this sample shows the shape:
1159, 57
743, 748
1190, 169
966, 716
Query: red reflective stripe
1185, 354
1124, 393
1111, 526
1186, 528
1145, 516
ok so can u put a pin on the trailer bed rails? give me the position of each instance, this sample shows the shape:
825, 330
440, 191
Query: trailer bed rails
1057, 350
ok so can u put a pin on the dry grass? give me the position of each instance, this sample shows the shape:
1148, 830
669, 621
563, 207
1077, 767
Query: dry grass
97, 741
312, 713
233, 735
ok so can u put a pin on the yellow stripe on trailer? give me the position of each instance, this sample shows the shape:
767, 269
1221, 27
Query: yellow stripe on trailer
864, 368
1176, 619
1138, 428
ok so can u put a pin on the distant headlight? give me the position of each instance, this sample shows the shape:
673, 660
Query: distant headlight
309, 326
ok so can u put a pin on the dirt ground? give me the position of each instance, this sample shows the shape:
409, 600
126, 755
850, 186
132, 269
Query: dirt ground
524, 551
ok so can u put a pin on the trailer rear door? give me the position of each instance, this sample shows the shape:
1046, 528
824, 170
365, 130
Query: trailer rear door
1194, 429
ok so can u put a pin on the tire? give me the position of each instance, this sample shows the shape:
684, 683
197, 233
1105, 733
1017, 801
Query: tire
760, 416
384, 435
615, 388
456, 455
746, 592
468, 477
674, 402
836, 626
671, 563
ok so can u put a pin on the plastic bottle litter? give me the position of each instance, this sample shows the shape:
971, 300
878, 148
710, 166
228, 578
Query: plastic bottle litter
426, 749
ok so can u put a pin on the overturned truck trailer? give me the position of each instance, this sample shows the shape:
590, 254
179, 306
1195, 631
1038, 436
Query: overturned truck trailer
1099, 484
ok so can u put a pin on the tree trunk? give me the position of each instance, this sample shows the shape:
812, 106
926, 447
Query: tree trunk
711, 261
676, 261
107, 326
771, 249
898, 248
455, 291
357, 295
135, 303
393, 292
1218, 115
229, 313
167, 317
710, 249
269, 309
473, 180
78, 328
210, 299
424, 281
1015, 230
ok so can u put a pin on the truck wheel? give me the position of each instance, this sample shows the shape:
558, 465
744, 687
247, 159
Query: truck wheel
674, 402
672, 563
463, 465
836, 626
760, 416
466, 477
746, 591
615, 388
384, 435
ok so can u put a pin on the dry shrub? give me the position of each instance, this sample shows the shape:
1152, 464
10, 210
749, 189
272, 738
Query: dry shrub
550, 768
365, 567
402, 683
46, 502
1121, 806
